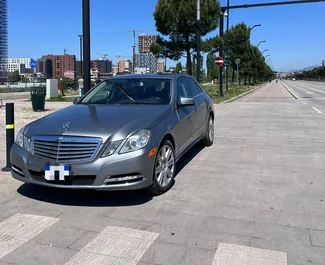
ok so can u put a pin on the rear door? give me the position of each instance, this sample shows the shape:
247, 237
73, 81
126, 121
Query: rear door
183, 130
200, 116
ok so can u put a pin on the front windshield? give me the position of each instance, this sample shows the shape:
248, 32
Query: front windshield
131, 91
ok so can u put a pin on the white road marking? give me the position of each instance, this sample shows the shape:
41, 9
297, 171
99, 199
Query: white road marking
115, 246
305, 103
20, 228
316, 109
309, 93
316, 90
231, 254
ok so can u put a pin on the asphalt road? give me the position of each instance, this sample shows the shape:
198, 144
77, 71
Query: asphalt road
308, 93
255, 197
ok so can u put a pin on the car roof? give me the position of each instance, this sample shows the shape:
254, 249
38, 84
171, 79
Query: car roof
154, 75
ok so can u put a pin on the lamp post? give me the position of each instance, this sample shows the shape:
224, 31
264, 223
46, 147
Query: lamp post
256, 25
80, 50
261, 42
86, 43
227, 47
198, 40
264, 51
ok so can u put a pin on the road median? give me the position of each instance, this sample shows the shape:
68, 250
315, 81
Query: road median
289, 90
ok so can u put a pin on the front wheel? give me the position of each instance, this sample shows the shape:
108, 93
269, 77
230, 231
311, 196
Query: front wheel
164, 169
208, 139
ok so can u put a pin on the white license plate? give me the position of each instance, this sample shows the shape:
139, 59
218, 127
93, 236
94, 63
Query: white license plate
62, 171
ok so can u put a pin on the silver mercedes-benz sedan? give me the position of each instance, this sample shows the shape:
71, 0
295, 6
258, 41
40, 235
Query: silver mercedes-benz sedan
126, 133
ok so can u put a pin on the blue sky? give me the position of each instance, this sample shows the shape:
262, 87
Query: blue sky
294, 34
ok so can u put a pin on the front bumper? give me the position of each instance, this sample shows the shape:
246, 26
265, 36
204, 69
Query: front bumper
128, 171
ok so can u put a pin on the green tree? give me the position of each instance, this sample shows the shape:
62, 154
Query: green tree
15, 77
179, 67
212, 69
176, 21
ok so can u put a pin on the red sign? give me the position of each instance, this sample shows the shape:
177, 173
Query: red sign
219, 61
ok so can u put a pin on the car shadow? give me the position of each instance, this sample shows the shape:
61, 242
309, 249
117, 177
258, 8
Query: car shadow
94, 198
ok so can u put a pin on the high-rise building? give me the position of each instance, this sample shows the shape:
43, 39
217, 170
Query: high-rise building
3, 39
145, 42
44, 66
104, 67
161, 67
61, 64
25, 61
147, 60
124, 66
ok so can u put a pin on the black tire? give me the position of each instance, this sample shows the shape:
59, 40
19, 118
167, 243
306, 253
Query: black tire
158, 186
208, 139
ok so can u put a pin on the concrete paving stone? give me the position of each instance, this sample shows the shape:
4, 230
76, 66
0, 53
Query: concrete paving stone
197, 256
83, 240
314, 207
317, 238
241, 255
254, 229
32, 253
315, 222
297, 252
59, 236
158, 217
281, 218
163, 253
82, 222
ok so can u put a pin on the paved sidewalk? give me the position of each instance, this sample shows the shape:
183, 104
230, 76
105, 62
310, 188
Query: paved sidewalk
255, 197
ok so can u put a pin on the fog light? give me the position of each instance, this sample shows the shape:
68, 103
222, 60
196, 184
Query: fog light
113, 179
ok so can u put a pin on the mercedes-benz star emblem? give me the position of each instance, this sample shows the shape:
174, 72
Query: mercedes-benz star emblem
66, 126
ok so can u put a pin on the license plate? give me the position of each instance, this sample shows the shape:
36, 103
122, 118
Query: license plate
57, 172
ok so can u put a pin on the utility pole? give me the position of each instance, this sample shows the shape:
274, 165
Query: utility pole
221, 53
198, 41
86, 43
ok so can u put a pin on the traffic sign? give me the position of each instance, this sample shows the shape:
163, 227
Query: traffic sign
32, 64
219, 61
237, 61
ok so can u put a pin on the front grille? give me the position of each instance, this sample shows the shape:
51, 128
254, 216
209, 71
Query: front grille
66, 149
79, 180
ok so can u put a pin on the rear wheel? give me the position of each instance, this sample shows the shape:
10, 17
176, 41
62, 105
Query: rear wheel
208, 140
164, 169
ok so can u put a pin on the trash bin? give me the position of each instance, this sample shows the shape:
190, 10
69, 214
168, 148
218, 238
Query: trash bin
38, 98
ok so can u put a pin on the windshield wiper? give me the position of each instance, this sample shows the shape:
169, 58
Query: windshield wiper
122, 90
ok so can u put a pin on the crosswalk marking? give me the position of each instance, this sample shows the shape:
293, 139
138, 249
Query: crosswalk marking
115, 246
20, 228
231, 254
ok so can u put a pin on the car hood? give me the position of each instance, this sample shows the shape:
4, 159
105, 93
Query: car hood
117, 121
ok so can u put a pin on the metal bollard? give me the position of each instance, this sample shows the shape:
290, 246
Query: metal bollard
10, 132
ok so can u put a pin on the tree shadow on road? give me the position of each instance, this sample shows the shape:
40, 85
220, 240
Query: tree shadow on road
97, 198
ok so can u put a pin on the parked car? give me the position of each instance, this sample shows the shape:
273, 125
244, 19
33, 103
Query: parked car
126, 133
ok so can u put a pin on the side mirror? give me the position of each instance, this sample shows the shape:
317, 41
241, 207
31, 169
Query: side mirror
186, 102
75, 100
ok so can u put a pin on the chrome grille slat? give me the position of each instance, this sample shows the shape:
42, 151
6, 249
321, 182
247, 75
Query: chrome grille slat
66, 148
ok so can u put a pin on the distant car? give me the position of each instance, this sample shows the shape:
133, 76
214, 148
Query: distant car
293, 79
126, 133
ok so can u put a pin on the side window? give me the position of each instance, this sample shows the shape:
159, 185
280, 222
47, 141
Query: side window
182, 88
193, 86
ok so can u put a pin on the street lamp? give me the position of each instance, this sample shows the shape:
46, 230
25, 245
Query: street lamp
226, 14
256, 25
80, 37
260, 42
86, 44
264, 51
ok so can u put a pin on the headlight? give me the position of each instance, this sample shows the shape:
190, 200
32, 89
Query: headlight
28, 144
136, 141
23, 141
20, 138
110, 149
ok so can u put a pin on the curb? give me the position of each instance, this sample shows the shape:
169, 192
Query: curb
292, 94
241, 95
